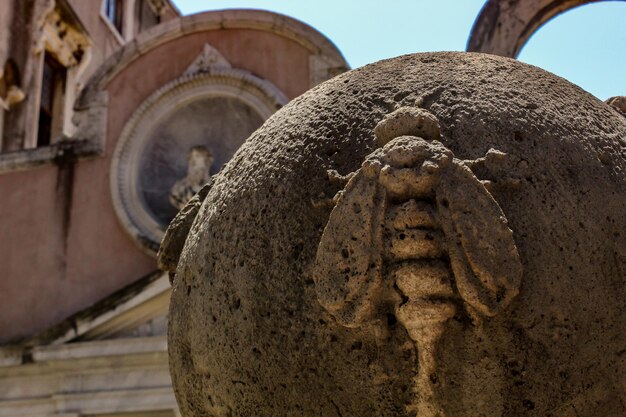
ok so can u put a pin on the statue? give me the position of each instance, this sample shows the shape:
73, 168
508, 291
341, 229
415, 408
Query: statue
437, 234
199, 164
424, 213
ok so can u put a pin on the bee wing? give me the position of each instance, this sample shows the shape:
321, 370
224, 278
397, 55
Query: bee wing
348, 264
483, 255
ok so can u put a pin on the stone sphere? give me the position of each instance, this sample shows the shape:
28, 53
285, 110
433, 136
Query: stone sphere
248, 336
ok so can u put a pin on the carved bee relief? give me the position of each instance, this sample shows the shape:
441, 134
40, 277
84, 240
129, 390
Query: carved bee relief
414, 228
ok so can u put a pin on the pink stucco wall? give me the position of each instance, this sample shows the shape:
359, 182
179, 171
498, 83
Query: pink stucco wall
104, 41
61, 245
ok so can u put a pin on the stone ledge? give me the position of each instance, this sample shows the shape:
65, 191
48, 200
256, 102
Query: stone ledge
56, 153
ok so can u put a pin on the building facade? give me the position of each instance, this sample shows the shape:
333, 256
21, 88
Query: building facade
114, 112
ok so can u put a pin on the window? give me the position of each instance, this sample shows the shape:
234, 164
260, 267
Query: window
147, 16
36, 105
114, 11
52, 100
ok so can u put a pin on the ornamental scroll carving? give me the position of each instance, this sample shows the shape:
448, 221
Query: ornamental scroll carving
415, 231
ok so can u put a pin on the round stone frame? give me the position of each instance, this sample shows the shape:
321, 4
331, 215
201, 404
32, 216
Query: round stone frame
131, 210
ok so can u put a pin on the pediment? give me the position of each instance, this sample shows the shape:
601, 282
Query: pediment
138, 310
208, 59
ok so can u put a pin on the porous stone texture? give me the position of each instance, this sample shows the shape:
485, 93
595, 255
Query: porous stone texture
618, 103
248, 337
174, 238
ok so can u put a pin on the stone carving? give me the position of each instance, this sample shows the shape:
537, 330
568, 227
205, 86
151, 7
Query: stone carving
199, 165
247, 334
176, 234
157, 6
618, 103
14, 96
415, 228
10, 92
209, 58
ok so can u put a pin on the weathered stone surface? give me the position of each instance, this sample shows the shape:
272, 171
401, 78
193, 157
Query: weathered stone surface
249, 335
411, 121
178, 230
618, 103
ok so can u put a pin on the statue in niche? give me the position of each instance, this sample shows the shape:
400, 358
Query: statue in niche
199, 163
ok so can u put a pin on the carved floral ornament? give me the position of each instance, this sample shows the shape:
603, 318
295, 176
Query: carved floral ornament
416, 230
210, 75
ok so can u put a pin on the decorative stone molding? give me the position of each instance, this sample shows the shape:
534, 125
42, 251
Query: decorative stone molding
59, 32
86, 378
209, 58
11, 92
91, 123
198, 82
59, 151
88, 141
91, 106
66, 41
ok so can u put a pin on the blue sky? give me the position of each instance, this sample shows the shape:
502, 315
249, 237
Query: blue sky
586, 45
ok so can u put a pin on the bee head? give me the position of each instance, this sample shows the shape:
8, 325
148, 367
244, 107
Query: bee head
407, 121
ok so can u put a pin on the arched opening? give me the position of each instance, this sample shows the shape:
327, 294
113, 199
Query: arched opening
580, 45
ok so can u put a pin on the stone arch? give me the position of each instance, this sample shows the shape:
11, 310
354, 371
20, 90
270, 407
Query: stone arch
321, 48
504, 26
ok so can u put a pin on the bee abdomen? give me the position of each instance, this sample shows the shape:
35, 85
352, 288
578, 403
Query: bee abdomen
416, 244
424, 279
412, 214
421, 313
